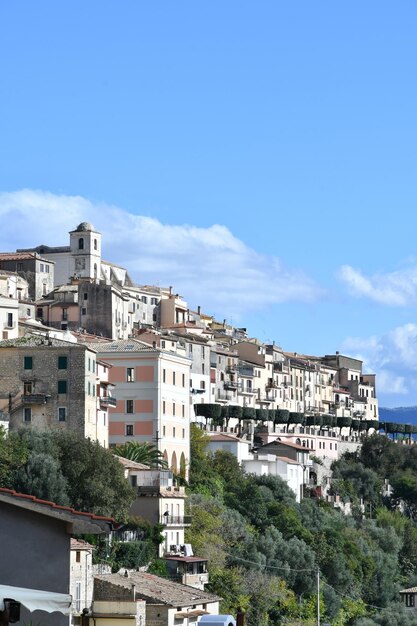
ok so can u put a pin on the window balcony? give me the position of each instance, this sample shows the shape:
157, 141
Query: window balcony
108, 401
34, 398
173, 520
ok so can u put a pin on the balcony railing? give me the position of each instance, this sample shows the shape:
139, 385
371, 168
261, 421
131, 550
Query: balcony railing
244, 389
172, 520
108, 401
34, 398
230, 384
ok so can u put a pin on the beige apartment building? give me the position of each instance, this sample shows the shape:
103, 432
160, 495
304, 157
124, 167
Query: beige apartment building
152, 393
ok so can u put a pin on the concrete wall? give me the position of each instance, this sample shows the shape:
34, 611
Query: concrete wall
35, 553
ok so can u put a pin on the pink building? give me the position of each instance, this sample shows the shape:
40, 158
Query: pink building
151, 387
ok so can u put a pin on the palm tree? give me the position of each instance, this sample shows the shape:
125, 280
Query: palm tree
141, 452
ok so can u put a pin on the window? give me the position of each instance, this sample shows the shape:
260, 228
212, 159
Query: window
130, 374
129, 429
173, 378
19, 267
83, 310
154, 300
62, 414
129, 406
81, 244
64, 314
27, 388
39, 312
27, 414
183, 380
144, 300
78, 597
191, 348
203, 352
47, 269
162, 344
78, 556
202, 384
62, 386
163, 407
163, 431
183, 433
173, 408
203, 369
95, 244
183, 410
164, 376
41, 267
173, 431
10, 320
28, 362
62, 362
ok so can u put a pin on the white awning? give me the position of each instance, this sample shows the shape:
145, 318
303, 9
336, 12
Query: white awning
36, 599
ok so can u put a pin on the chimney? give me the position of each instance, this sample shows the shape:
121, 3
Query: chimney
199, 309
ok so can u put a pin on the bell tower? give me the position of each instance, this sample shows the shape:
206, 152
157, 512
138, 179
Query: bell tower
85, 245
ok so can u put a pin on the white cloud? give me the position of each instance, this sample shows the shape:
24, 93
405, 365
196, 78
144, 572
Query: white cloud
392, 357
208, 266
394, 288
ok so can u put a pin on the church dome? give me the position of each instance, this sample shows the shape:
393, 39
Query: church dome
84, 226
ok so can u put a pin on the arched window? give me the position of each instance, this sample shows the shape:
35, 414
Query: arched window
165, 455
95, 244
95, 270
81, 243
183, 466
174, 463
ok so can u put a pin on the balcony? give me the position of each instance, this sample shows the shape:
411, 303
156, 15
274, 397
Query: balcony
231, 369
230, 384
265, 399
244, 389
34, 398
173, 520
223, 395
108, 401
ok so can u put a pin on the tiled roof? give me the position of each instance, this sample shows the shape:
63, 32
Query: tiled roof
124, 345
128, 464
290, 444
80, 544
82, 523
159, 590
35, 341
224, 437
16, 256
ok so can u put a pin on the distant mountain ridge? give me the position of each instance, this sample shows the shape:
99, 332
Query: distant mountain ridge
400, 414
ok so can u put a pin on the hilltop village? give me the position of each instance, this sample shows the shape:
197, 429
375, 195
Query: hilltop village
85, 350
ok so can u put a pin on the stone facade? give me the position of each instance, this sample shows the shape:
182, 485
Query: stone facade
49, 383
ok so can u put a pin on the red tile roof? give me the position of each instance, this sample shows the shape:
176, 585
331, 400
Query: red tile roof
52, 509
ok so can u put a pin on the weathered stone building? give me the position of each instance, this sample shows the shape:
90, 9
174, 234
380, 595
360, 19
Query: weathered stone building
48, 382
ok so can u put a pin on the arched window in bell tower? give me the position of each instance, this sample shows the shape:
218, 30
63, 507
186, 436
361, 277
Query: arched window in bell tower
95, 244
81, 243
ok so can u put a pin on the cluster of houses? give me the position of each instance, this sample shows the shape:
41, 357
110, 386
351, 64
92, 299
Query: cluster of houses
82, 347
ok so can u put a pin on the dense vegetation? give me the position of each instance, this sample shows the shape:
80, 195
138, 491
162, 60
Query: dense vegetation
265, 549
65, 468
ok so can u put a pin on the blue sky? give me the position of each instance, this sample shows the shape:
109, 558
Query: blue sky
258, 156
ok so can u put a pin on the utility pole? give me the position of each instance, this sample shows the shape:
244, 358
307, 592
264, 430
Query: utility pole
318, 597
